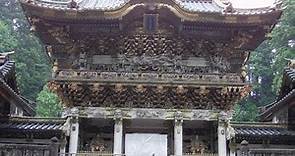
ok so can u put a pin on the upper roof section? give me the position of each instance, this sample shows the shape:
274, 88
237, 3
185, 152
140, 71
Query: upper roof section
286, 95
189, 10
9, 94
188, 5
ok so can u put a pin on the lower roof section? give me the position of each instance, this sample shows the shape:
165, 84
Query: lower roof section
40, 125
263, 133
10, 95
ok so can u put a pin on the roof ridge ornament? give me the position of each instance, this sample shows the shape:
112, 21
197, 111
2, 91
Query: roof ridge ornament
277, 4
228, 8
73, 4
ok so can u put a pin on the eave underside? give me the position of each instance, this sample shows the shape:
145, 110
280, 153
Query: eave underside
147, 95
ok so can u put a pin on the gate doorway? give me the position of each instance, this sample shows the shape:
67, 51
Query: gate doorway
145, 144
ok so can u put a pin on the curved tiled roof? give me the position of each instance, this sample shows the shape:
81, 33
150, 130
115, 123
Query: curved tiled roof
9, 87
7, 69
199, 6
83, 4
19, 101
260, 131
33, 124
287, 94
290, 76
102, 4
270, 109
209, 6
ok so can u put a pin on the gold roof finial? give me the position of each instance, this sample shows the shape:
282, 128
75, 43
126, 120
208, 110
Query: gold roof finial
73, 4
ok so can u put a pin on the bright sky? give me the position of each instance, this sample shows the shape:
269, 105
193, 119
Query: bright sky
251, 3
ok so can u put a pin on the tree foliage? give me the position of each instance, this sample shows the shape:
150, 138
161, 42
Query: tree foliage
8, 42
246, 111
32, 64
282, 38
48, 104
266, 65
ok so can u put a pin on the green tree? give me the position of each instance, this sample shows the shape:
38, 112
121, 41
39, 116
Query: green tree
32, 65
48, 104
261, 75
8, 42
267, 63
283, 42
246, 111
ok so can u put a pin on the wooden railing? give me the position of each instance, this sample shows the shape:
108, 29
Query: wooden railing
204, 154
90, 154
271, 152
111, 154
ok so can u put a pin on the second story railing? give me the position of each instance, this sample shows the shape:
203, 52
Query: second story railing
90, 154
111, 154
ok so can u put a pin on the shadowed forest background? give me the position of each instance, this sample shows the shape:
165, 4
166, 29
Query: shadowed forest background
33, 67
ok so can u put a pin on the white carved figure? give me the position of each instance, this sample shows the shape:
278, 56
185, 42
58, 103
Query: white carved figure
97, 144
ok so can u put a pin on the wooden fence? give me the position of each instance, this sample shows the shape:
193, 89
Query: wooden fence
26, 149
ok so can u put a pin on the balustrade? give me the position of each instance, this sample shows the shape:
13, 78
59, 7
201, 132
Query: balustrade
271, 152
199, 154
87, 153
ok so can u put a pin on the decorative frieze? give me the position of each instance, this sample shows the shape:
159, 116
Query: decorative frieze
148, 95
142, 113
161, 53
119, 76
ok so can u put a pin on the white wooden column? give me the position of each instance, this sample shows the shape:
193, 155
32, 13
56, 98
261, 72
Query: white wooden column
62, 148
118, 136
178, 138
232, 152
74, 136
221, 139
178, 116
232, 148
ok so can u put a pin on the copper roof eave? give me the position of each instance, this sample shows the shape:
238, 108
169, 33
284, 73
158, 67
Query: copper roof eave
37, 119
194, 16
277, 105
17, 100
258, 132
284, 98
186, 5
33, 124
258, 124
